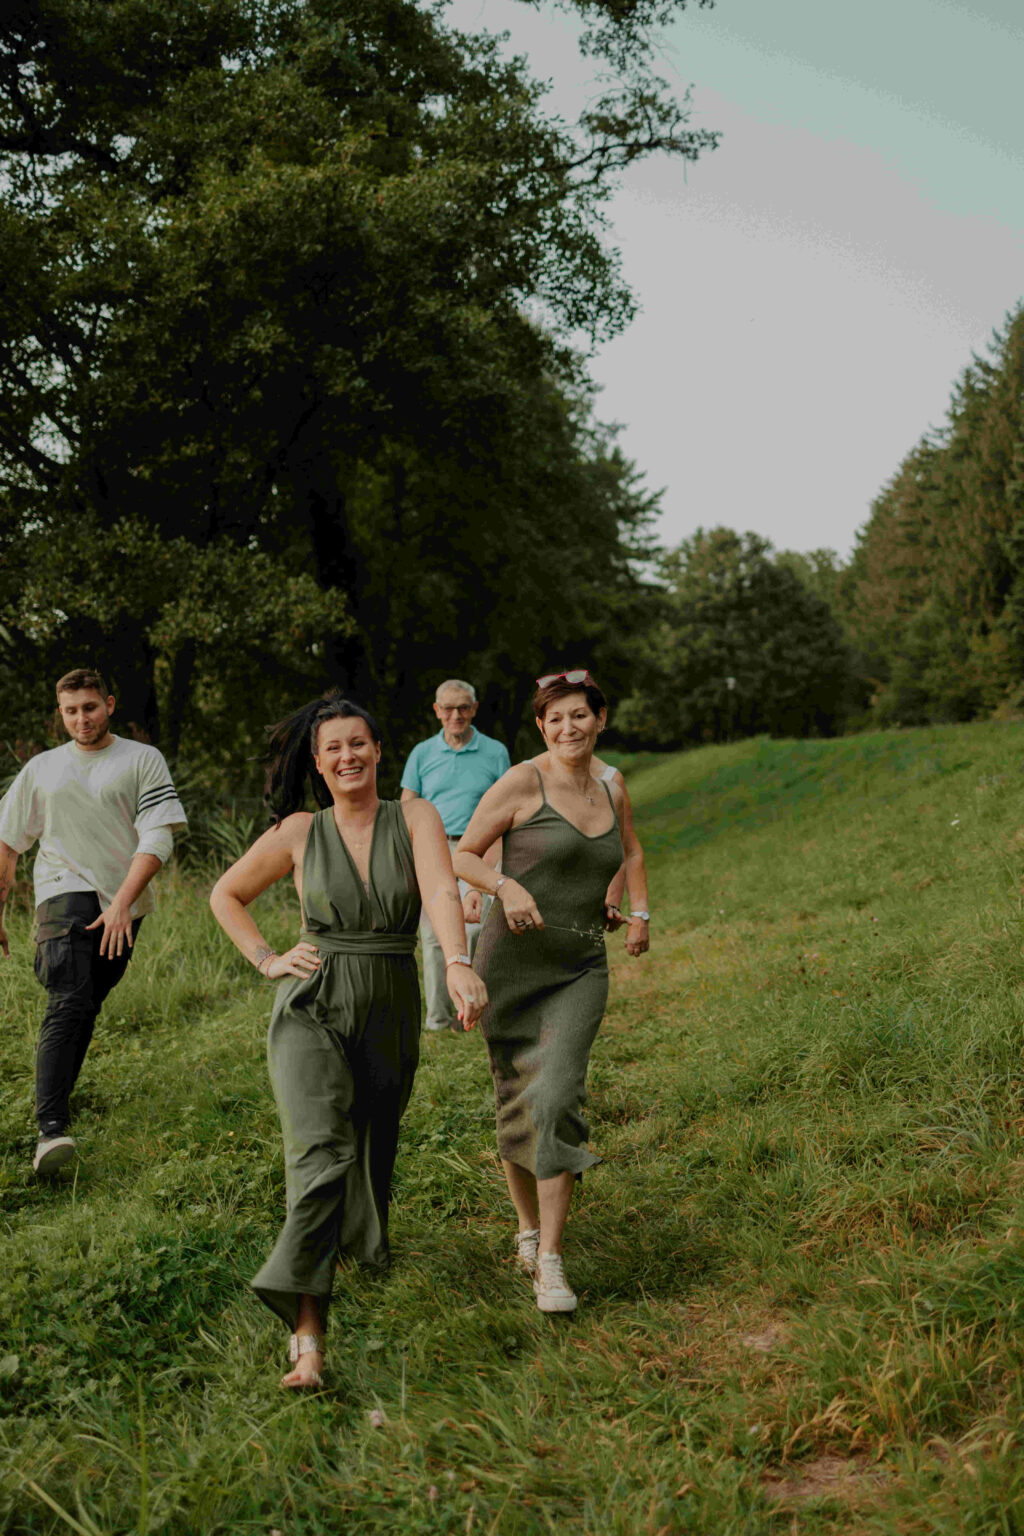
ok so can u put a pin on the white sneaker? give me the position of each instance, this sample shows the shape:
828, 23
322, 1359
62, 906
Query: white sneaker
435, 1025
550, 1286
52, 1152
526, 1249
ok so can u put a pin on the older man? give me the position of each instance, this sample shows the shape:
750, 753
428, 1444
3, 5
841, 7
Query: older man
453, 770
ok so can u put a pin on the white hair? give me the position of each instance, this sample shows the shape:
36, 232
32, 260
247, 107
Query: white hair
455, 682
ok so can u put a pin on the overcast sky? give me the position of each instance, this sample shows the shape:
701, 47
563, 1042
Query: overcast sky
811, 289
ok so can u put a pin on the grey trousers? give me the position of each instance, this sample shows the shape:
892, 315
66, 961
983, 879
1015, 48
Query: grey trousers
440, 1009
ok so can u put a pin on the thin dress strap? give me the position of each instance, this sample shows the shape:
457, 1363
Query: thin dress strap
615, 815
540, 781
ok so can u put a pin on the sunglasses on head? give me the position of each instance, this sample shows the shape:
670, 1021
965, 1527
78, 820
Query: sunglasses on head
580, 675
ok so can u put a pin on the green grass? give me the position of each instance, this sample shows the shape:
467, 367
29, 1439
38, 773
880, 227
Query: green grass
801, 1265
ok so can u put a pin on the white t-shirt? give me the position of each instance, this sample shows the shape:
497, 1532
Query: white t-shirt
92, 813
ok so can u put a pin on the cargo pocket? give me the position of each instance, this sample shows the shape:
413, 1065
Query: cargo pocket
55, 954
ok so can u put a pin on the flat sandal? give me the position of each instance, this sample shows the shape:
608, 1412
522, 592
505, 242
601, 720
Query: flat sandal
306, 1344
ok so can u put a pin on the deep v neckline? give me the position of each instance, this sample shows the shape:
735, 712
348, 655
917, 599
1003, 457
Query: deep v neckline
365, 887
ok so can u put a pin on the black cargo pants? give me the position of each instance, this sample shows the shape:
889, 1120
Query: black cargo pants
77, 980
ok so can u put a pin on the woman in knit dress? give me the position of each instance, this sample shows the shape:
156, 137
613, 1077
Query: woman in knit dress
631, 876
543, 957
344, 1034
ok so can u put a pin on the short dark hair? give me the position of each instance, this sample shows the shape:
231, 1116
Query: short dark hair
82, 677
560, 689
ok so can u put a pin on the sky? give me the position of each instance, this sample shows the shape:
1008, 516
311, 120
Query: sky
809, 291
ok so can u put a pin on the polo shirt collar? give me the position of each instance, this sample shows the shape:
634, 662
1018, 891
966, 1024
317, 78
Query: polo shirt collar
472, 744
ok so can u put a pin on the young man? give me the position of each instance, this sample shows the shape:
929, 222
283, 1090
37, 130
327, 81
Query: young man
453, 770
103, 809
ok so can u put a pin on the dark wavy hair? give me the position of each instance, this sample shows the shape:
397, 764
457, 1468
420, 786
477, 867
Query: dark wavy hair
291, 746
560, 689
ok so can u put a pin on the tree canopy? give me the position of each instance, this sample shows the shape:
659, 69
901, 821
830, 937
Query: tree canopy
743, 646
934, 595
284, 387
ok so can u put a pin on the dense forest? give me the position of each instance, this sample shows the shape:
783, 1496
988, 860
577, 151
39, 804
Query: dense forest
287, 395
295, 297
924, 624
933, 598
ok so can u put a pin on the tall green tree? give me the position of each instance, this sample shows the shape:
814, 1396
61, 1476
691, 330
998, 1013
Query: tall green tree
267, 271
933, 591
741, 646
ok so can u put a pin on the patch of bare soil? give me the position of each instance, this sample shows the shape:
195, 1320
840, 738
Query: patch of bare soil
766, 1340
849, 1478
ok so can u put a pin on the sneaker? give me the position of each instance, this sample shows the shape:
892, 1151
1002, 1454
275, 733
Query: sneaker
526, 1249
550, 1285
52, 1152
435, 1025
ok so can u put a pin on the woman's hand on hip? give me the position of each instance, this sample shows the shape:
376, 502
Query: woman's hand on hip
467, 992
520, 909
302, 959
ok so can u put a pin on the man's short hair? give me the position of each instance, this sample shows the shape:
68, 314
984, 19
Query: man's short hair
82, 677
455, 682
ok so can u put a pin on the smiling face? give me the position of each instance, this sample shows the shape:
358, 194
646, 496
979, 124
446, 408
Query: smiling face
455, 710
347, 756
570, 728
86, 716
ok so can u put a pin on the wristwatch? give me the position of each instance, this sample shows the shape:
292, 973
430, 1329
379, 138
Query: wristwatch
457, 960
643, 916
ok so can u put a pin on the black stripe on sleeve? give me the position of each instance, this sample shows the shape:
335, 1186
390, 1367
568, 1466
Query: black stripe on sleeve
152, 804
156, 792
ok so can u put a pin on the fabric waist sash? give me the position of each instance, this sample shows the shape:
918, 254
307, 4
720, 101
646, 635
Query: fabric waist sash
362, 943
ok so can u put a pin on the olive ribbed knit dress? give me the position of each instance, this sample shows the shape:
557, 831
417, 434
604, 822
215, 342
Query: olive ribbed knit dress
342, 1049
548, 989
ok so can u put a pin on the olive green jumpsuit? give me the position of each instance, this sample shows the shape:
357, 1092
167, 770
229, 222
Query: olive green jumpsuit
342, 1048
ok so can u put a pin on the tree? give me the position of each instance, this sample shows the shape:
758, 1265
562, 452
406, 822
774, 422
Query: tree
267, 271
740, 646
933, 591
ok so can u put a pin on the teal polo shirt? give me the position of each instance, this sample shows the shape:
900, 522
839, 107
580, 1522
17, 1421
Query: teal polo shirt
455, 781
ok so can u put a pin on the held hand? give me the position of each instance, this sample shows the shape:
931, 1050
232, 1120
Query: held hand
302, 959
117, 929
472, 906
521, 912
613, 918
638, 937
467, 992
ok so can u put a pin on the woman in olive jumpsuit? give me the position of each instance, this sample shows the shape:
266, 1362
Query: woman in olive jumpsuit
344, 1034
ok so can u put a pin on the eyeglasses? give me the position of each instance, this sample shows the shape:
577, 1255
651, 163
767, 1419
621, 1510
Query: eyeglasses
580, 675
456, 709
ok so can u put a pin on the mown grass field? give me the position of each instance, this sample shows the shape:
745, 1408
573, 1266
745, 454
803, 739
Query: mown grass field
801, 1265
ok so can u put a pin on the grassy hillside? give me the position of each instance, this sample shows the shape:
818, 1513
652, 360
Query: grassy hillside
800, 1265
